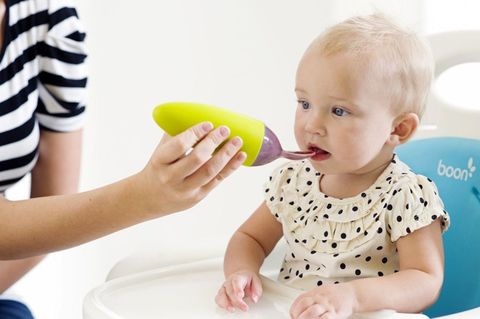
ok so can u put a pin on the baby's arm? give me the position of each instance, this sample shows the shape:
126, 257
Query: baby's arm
417, 285
246, 251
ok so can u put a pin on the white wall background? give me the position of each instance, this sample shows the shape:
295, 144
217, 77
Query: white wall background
239, 54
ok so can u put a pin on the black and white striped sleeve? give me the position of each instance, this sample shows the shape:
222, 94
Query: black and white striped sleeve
63, 74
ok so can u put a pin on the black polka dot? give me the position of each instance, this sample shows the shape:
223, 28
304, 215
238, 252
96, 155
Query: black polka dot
384, 260
379, 247
292, 203
267, 190
307, 169
434, 217
421, 200
340, 211
325, 234
329, 206
354, 208
389, 207
342, 266
319, 283
357, 256
415, 217
309, 183
359, 229
293, 255
364, 195
288, 181
358, 272
272, 199
399, 218
325, 216
379, 230
368, 258
281, 199
286, 277
307, 267
310, 202
334, 245
336, 282
313, 252
335, 255
380, 274
408, 230
406, 206
343, 235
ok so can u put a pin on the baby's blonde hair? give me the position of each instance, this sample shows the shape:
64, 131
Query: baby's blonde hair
400, 57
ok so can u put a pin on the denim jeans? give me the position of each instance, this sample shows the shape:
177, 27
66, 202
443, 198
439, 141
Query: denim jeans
12, 309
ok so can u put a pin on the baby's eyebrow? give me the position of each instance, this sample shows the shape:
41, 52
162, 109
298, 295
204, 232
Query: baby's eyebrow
300, 90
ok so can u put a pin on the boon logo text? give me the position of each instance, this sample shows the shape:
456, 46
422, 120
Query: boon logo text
457, 173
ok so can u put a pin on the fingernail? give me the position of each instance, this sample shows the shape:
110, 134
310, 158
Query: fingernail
242, 156
224, 131
207, 126
237, 141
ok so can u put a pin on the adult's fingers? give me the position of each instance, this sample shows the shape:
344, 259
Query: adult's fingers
172, 149
219, 167
202, 152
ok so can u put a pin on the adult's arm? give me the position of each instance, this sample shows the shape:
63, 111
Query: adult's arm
171, 181
56, 172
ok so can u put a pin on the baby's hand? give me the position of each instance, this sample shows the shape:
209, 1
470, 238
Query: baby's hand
325, 302
237, 286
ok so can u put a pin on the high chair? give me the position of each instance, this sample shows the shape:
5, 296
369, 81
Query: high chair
184, 285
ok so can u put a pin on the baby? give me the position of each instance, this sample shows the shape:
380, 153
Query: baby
364, 232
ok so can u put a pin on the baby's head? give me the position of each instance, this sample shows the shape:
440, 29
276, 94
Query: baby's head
372, 78
400, 59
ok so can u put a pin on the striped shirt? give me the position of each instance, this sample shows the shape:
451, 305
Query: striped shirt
42, 80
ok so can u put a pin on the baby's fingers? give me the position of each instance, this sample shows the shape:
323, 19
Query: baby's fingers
314, 311
255, 290
222, 300
235, 292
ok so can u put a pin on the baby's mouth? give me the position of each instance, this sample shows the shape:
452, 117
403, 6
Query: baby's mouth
320, 154
317, 150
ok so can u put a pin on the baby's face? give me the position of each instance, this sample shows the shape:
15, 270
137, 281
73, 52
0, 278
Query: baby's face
343, 112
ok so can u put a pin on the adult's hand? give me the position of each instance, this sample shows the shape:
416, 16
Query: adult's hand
185, 168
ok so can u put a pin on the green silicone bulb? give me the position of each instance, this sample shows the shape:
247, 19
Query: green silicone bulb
259, 142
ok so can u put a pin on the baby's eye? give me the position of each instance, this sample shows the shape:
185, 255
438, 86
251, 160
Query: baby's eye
304, 104
338, 111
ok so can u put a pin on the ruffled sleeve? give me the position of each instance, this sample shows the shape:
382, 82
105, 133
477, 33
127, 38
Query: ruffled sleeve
63, 76
274, 188
414, 205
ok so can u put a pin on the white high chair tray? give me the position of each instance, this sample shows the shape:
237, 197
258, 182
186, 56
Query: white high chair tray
188, 291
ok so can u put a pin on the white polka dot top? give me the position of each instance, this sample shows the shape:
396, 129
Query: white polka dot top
332, 240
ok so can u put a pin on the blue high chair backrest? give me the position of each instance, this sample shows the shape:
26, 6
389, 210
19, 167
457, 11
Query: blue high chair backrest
453, 164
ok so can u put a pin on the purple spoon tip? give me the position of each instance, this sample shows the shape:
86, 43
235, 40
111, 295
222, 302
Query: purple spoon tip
297, 155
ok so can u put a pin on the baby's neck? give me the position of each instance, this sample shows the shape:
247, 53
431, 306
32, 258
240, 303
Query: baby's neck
350, 185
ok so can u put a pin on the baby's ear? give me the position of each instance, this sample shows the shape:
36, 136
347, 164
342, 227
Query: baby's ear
404, 127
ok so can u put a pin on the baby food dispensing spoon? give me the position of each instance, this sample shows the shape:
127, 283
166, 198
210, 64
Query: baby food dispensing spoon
259, 143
